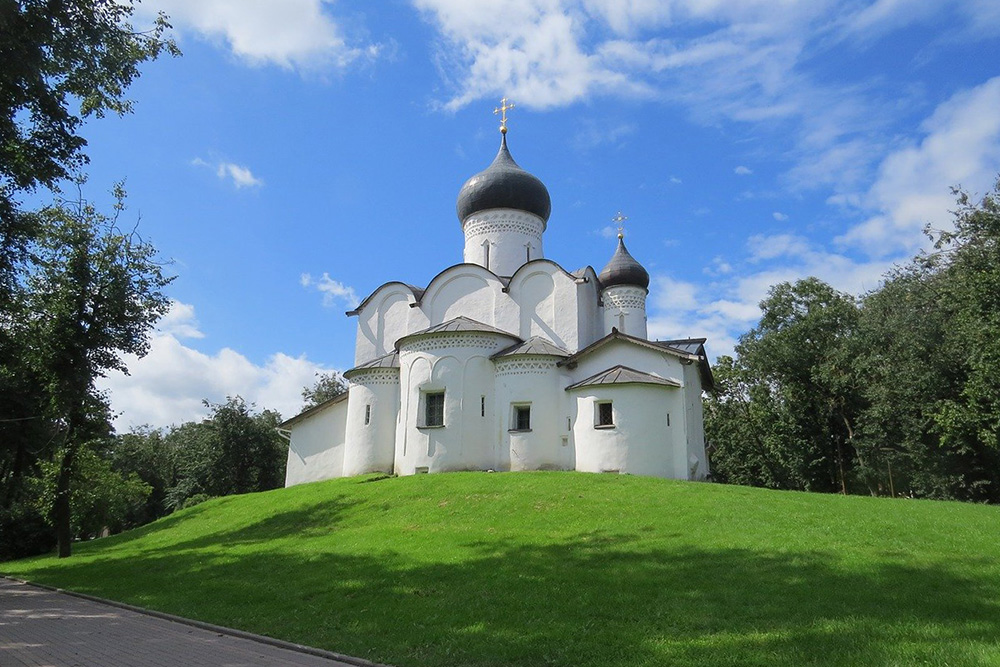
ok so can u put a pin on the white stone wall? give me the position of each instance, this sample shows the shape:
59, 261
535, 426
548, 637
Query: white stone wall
385, 319
370, 447
625, 310
589, 316
316, 447
697, 458
535, 382
640, 442
459, 365
501, 239
464, 290
618, 352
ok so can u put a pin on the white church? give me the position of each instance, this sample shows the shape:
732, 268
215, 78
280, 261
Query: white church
507, 361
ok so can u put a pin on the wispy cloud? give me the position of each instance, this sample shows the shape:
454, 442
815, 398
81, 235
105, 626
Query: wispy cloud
742, 171
332, 290
294, 34
239, 175
960, 146
748, 63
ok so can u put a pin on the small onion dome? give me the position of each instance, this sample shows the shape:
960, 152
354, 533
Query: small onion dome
623, 270
503, 185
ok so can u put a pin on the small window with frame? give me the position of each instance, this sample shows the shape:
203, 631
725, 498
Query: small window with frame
520, 418
604, 415
368, 414
434, 408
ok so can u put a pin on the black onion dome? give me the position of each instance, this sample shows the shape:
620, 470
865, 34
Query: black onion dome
503, 185
623, 270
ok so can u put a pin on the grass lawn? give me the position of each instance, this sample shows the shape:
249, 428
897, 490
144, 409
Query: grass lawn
568, 569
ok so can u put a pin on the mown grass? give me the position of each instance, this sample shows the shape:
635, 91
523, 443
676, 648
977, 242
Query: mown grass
568, 569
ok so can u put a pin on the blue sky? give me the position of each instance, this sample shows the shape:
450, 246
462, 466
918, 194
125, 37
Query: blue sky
303, 152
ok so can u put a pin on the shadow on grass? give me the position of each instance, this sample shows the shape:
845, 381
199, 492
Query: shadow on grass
597, 599
319, 518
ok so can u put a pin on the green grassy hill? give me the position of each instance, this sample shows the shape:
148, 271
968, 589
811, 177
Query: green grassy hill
568, 569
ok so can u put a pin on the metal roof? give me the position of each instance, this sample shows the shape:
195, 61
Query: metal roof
390, 360
623, 269
339, 398
503, 185
458, 324
623, 375
534, 345
687, 345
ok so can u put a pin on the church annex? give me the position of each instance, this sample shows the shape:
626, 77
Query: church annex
507, 361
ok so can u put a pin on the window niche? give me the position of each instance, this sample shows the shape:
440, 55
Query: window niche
520, 417
433, 411
368, 414
604, 415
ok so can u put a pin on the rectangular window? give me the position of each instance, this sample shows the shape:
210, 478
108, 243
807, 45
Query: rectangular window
434, 408
368, 415
521, 418
605, 415
482, 406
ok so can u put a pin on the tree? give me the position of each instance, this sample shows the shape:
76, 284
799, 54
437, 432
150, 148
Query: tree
62, 62
101, 498
788, 399
235, 450
147, 454
93, 295
970, 422
327, 386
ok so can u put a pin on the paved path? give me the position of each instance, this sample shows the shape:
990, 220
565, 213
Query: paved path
42, 628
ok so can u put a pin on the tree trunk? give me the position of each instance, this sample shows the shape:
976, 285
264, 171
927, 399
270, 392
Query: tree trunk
61, 509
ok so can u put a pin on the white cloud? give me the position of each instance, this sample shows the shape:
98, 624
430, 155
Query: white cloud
747, 62
742, 171
727, 307
168, 385
719, 267
179, 322
295, 34
961, 146
675, 180
779, 216
332, 290
240, 176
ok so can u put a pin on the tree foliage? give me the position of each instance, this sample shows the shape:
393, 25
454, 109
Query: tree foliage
90, 295
327, 386
894, 395
63, 61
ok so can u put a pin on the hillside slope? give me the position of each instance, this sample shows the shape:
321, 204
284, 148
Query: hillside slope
568, 569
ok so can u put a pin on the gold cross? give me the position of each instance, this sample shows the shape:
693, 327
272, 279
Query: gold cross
502, 109
620, 219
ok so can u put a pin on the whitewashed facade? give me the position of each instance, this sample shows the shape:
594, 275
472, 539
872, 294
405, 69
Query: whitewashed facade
509, 362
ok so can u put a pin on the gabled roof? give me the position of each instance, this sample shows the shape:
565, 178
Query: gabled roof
694, 346
618, 335
417, 293
687, 349
534, 345
390, 360
457, 324
623, 375
339, 398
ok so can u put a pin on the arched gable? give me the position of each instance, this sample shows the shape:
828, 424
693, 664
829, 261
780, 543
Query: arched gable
467, 290
383, 317
548, 300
